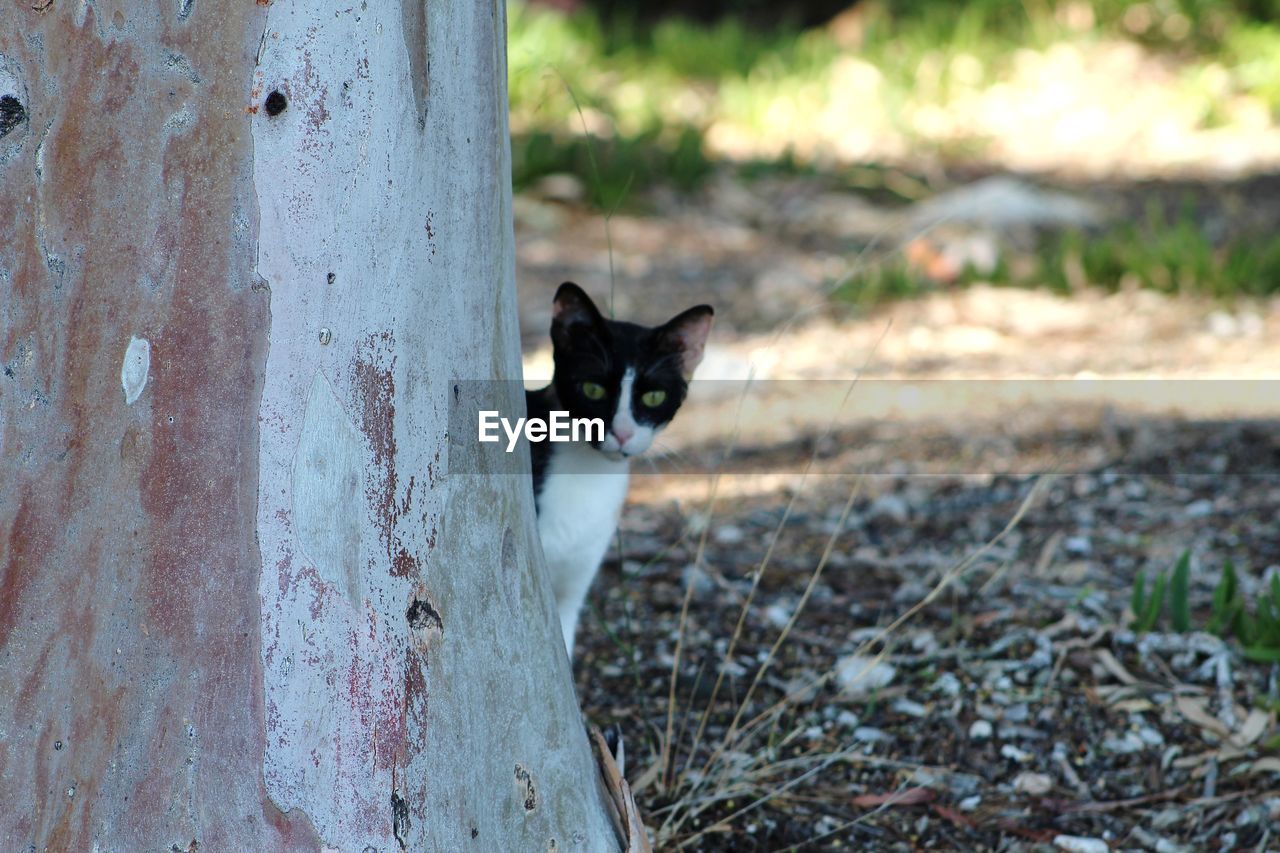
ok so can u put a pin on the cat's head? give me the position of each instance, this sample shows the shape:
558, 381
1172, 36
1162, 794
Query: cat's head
632, 377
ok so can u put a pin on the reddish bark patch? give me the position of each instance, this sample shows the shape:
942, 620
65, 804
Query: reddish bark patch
404, 565
28, 542
375, 390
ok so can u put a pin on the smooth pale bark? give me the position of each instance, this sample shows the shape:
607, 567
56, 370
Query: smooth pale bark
242, 603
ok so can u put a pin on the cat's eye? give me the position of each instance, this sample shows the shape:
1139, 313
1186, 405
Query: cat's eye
592, 391
653, 399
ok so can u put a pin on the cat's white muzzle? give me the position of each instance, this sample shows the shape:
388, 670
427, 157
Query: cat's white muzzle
631, 444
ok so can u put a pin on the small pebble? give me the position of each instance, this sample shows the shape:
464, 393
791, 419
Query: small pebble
1035, 784
729, 534
910, 708
889, 507
867, 734
924, 642
777, 615
968, 804
1017, 713
909, 592
847, 719
948, 685
1164, 845
1080, 844
858, 675
702, 583
1077, 546
1012, 753
826, 824
1015, 732
925, 779
1126, 745
980, 730
1249, 816
965, 784
1199, 509
1150, 736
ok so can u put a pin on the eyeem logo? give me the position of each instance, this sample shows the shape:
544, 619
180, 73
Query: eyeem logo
560, 427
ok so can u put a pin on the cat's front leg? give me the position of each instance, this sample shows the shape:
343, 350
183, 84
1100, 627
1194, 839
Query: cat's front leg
571, 579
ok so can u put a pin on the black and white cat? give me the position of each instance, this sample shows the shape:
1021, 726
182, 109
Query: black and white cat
632, 377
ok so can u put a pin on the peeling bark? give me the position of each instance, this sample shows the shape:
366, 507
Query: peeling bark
242, 603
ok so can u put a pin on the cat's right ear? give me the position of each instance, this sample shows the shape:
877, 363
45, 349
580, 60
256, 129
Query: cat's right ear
572, 307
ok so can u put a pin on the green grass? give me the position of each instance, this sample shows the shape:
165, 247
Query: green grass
1157, 251
611, 166
881, 282
1171, 256
1255, 626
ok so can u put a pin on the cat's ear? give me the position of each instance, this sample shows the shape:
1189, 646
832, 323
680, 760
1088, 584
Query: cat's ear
686, 333
572, 307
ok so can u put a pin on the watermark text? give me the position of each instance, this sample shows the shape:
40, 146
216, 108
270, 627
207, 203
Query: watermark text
559, 427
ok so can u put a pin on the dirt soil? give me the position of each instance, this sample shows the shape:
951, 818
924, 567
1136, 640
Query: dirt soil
957, 669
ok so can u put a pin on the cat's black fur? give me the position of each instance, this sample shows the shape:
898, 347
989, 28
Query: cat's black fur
587, 347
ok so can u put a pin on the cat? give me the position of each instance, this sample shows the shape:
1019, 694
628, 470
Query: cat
632, 377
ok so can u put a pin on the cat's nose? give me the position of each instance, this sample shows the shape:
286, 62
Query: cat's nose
622, 434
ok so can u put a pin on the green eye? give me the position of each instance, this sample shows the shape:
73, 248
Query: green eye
592, 391
653, 399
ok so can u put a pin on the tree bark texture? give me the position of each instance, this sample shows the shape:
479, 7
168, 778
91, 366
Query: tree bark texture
245, 249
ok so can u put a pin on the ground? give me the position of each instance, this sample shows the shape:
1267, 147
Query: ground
961, 671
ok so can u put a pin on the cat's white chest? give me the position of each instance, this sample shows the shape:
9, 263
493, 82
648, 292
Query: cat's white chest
581, 498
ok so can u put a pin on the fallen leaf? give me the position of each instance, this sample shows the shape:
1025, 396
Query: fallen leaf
1041, 836
1134, 706
1113, 666
1095, 806
906, 797
625, 814
1270, 764
1253, 728
949, 814
1195, 712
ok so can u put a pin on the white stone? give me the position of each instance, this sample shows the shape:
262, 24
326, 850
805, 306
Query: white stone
1080, 844
858, 675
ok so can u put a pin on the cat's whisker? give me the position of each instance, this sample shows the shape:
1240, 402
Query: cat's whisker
666, 451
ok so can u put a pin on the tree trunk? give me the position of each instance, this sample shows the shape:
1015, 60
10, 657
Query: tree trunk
244, 252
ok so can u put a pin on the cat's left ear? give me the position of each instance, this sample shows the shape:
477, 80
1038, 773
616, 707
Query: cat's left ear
686, 333
573, 308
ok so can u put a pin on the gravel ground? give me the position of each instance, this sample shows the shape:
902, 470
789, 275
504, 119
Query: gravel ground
990, 681
960, 671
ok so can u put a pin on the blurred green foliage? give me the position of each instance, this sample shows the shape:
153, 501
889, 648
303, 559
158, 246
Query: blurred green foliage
1172, 256
627, 102
647, 92
1159, 251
